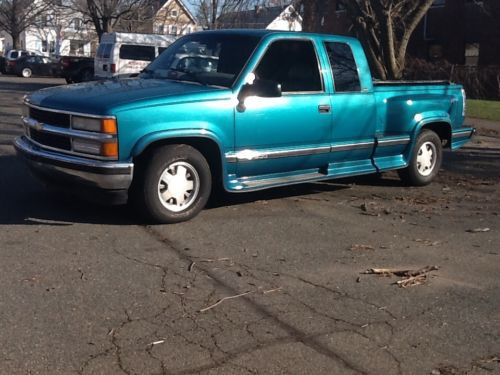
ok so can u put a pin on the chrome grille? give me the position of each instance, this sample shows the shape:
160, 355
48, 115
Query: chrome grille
52, 129
61, 120
50, 140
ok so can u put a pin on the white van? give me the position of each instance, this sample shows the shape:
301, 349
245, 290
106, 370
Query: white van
125, 54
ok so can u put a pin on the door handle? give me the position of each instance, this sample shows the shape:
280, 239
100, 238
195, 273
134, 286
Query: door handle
324, 108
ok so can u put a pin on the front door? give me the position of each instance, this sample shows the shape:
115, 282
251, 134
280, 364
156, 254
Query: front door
292, 132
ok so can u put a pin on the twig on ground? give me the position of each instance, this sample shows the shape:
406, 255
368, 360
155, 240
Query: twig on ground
224, 299
272, 290
411, 277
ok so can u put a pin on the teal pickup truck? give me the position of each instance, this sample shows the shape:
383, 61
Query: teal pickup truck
244, 110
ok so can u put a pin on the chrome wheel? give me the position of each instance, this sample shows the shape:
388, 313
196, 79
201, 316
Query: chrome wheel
179, 186
426, 158
26, 72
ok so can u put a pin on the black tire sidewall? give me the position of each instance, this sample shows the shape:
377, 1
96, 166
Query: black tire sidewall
160, 159
414, 176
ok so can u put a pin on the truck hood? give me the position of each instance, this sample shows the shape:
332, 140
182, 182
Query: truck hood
102, 97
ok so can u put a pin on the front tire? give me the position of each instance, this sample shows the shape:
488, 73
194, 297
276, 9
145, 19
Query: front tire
425, 160
175, 184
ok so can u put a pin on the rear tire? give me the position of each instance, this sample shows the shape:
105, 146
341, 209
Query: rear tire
425, 160
174, 185
26, 72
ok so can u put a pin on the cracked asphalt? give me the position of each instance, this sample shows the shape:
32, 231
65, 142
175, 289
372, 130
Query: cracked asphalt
87, 289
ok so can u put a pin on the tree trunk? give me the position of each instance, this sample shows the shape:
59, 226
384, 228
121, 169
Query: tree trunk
15, 41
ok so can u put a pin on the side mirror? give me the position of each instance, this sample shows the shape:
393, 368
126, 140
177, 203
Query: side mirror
261, 88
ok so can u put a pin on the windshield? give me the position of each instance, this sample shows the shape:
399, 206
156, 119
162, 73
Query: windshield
207, 58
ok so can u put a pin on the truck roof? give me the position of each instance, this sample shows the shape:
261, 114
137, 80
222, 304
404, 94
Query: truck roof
264, 32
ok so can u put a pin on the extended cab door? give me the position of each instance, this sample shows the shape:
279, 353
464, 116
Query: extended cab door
291, 132
353, 109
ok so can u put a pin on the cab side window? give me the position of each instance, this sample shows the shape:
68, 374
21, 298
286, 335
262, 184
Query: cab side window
344, 68
293, 64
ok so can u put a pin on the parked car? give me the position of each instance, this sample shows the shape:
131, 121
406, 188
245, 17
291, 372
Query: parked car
76, 68
35, 65
126, 54
12, 56
281, 108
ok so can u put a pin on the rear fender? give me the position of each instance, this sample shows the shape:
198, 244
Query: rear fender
424, 120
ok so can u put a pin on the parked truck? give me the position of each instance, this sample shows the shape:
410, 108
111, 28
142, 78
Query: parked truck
76, 69
277, 108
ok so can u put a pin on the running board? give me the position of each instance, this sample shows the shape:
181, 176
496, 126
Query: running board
250, 184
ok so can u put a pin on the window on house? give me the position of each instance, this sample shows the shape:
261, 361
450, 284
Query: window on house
76, 47
77, 24
471, 53
173, 13
44, 46
160, 29
439, 3
173, 30
344, 68
293, 64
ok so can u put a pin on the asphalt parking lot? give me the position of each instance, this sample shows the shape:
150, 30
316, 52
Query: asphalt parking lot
89, 289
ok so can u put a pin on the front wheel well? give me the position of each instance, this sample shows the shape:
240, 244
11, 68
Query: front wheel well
207, 147
442, 129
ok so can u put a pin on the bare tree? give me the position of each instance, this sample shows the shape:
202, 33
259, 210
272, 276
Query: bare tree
18, 15
383, 26
209, 11
106, 14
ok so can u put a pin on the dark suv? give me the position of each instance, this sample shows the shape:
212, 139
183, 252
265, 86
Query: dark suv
11, 58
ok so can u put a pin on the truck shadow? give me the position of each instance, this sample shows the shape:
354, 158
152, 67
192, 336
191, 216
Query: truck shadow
25, 201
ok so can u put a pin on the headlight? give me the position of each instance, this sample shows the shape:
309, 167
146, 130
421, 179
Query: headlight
87, 147
106, 125
107, 149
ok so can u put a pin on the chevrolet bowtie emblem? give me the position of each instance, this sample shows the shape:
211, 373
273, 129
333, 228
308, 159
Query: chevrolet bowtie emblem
37, 125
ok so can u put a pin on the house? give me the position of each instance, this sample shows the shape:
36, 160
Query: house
463, 32
174, 18
261, 17
59, 31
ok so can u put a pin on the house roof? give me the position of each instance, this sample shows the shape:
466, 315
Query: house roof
164, 3
257, 18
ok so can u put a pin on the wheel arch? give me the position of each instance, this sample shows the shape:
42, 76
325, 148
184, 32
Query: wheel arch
441, 128
438, 123
207, 146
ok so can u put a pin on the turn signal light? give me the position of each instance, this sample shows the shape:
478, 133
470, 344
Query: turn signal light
109, 150
108, 126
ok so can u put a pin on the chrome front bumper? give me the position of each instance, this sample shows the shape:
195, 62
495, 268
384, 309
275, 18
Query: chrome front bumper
107, 175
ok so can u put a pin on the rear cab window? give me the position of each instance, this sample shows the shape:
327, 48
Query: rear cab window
344, 68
